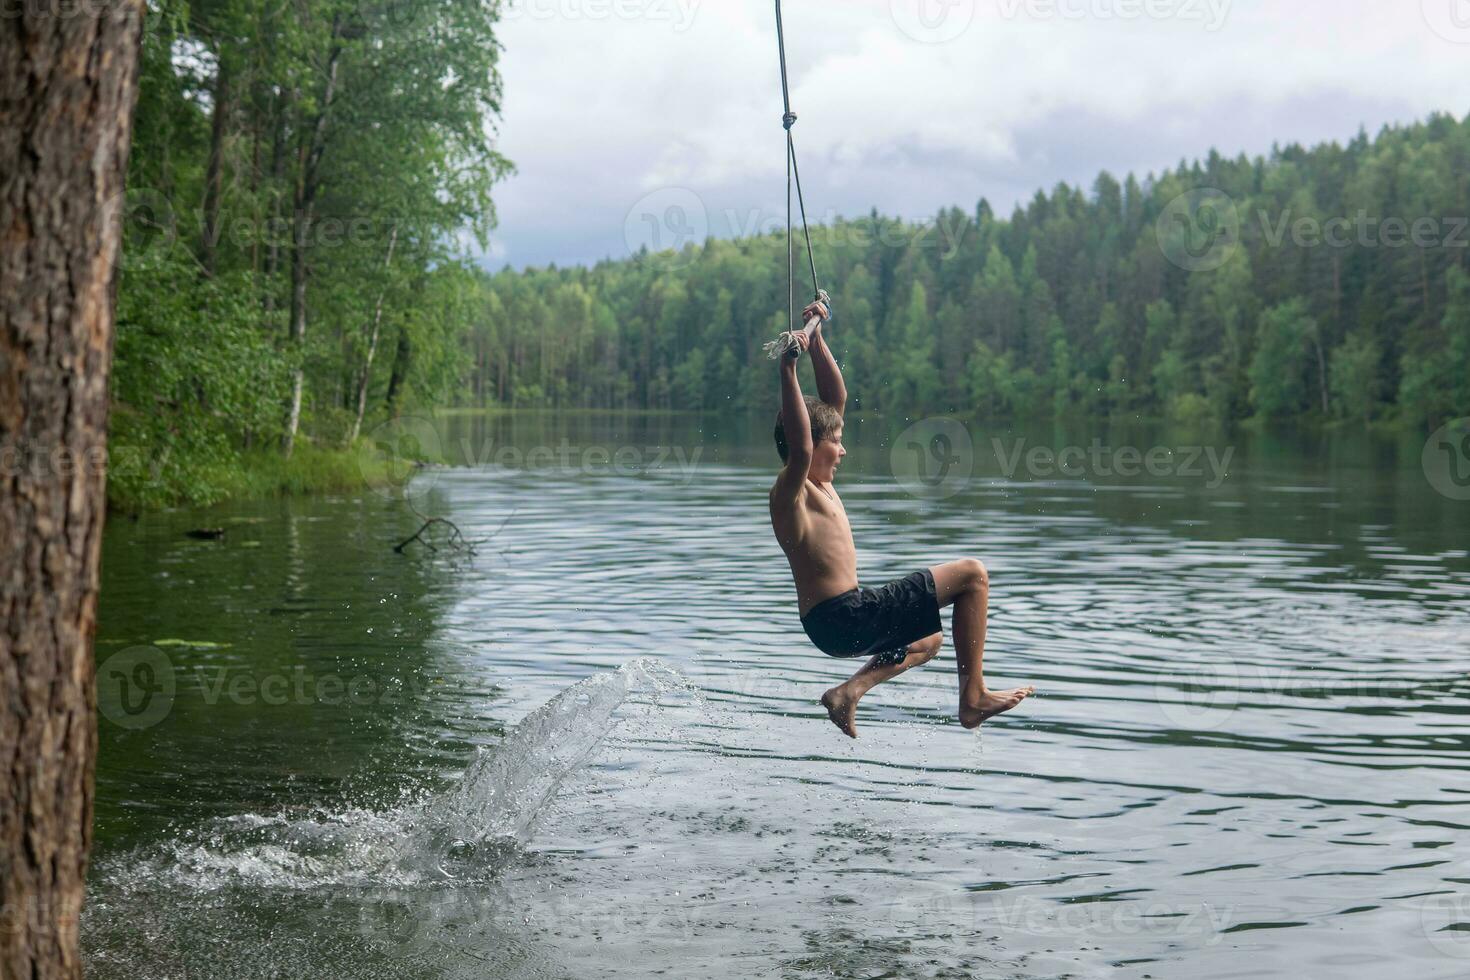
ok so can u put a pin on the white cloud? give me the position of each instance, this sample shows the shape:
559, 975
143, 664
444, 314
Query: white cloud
607, 100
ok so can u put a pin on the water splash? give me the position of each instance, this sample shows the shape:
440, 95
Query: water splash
470, 831
495, 807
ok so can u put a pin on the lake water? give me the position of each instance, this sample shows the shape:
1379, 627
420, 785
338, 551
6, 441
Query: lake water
593, 747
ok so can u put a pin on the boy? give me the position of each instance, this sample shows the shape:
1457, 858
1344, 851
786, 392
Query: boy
898, 624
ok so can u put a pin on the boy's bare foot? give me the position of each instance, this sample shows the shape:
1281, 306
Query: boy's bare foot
842, 709
992, 703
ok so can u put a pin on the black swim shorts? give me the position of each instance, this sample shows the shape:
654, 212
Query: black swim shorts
878, 622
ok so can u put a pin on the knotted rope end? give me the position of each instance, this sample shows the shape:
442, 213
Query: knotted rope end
778, 348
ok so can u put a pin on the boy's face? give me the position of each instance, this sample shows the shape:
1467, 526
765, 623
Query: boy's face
826, 455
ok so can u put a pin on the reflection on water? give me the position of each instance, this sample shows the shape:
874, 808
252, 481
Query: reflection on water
1246, 758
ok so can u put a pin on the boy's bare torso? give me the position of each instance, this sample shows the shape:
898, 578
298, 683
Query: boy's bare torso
812, 528
814, 532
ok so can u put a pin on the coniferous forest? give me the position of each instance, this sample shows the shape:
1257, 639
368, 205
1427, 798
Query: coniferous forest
307, 200
1322, 283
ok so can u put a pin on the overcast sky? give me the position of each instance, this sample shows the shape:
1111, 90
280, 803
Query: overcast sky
628, 119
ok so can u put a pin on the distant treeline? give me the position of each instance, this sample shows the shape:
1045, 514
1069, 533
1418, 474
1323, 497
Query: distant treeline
307, 181
1323, 283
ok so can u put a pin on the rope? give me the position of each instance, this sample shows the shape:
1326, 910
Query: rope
793, 178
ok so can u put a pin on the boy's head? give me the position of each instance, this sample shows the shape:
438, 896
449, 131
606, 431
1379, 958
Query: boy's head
827, 447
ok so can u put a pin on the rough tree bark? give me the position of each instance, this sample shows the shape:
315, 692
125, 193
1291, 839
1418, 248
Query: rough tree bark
68, 82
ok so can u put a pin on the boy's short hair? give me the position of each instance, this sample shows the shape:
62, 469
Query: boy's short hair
825, 422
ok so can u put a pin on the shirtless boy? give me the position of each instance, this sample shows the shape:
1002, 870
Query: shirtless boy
896, 625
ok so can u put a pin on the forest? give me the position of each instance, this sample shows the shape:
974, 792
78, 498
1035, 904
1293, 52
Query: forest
307, 186
309, 193
1324, 284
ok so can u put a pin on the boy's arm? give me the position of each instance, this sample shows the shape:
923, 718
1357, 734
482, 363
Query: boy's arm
798, 428
830, 387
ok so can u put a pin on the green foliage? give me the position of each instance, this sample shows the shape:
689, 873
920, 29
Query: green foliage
1278, 373
302, 179
194, 378
1355, 369
326, 160
1068, 306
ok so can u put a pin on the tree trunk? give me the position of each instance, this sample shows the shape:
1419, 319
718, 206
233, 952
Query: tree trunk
67, 90
214, 168
1321, 369
278, 177
307, 184
1337, 293
372, 351
400, 370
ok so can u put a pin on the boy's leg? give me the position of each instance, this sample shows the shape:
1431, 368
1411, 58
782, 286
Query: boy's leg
966, 586
841, 701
